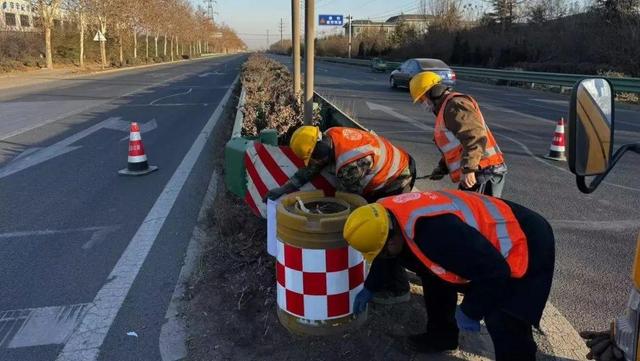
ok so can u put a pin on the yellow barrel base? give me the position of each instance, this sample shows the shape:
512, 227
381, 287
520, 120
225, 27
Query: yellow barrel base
302, 327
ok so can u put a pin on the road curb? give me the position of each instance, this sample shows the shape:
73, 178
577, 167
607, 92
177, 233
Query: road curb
174, 333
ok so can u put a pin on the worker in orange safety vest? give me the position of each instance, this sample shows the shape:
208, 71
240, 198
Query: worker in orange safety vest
364, 163
499, 254
470, 155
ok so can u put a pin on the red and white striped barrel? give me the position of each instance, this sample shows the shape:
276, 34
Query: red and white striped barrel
318, 284
270, 167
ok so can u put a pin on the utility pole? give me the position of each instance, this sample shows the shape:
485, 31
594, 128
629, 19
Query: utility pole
268, 40
349, 18
210, 10
281, 29
309, 61
295, 46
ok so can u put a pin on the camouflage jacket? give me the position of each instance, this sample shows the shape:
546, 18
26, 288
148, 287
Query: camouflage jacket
351, 177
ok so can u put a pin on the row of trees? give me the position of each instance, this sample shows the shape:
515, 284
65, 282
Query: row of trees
544, 35
174, 23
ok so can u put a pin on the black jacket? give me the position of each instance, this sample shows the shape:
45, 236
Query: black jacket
461, 249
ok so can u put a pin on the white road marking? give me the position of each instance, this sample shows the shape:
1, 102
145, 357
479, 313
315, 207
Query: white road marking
91, 106
39, 326
85, 342
173, 333
64, 146
395, 114
172, 95
530, 153
98, 234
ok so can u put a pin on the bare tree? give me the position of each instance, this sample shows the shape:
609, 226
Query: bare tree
80, 11
48, 10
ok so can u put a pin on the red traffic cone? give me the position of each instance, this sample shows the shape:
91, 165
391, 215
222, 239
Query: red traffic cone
556, 150
137, 161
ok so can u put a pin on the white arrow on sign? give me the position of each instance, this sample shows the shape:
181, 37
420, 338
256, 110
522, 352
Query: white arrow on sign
393, 113
35, 156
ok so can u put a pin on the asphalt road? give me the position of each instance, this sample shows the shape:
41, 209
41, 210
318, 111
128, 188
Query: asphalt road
595, 234
80, 244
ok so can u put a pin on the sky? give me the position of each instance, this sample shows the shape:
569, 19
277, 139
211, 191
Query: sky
252, 18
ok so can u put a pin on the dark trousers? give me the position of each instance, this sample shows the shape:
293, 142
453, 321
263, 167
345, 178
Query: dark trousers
393, 276
512, 338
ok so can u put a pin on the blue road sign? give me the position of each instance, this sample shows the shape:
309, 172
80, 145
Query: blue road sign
331, 20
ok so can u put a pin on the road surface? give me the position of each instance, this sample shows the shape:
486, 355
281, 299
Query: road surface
82, 247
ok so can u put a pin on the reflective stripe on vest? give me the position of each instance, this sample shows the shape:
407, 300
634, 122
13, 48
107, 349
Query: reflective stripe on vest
451, 148
357, 153
489, 216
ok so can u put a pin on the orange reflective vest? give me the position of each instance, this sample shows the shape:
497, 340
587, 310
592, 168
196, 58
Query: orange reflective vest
352, 144
492, 217
451, 148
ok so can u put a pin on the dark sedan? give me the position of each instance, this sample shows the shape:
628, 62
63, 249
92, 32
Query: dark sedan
407, 70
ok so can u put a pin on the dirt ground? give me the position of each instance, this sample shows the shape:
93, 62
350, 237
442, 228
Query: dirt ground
232, 301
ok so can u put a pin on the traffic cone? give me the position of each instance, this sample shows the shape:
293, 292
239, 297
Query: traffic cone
556, 150
137, 161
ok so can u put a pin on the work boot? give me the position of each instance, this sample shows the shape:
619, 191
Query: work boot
424, 343
390, 297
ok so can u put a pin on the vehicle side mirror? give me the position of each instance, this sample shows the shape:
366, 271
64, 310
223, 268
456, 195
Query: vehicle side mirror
591, 127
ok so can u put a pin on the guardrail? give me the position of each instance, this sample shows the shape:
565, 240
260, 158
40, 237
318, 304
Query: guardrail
332, 116
625, 85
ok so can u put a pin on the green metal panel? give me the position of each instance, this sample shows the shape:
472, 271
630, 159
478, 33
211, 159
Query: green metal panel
269, 137
235, 173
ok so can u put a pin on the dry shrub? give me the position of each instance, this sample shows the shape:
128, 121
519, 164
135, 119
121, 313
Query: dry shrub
270, 102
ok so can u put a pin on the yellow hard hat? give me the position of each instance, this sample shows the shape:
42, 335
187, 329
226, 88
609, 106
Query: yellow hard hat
366, 230
303, 141
422, 83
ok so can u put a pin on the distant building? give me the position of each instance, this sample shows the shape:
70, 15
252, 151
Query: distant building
20, 15
420, 22
17, 15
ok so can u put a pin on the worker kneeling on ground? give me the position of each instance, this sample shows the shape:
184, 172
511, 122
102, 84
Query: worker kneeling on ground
498, 253
365, 164
470, 154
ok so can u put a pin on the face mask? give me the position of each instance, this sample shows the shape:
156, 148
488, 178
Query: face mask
427, 105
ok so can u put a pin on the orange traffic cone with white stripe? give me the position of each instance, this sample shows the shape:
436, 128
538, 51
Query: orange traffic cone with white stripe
556, 150
137, 161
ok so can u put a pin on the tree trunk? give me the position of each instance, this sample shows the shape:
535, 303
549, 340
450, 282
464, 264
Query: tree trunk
47, 42
135, 45
103, 46
146, 39
165, 44
81, 40
171, 47
121, 49
156, 42
190, 50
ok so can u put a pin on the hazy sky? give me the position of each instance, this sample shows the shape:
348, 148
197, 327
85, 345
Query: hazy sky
252, 18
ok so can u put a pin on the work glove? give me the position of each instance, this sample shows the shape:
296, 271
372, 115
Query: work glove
437, 173
602, 346
362, 298
276, 193
465, 323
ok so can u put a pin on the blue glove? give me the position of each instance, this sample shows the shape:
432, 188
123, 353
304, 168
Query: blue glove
362, 298
465, 323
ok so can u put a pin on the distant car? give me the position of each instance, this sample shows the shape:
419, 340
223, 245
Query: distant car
378, 64
407, 70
